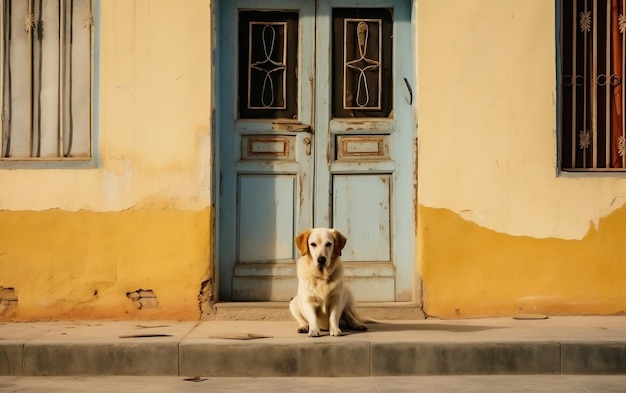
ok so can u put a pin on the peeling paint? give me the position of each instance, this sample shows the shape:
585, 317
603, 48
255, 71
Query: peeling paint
8, 301
206, 299
469, 270
143, 299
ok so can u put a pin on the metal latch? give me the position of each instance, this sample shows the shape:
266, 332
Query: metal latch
291, 127
307, 149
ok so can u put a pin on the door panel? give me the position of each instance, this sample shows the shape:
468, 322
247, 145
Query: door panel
266, 218
290, 160
366, 219
367, 223
265, 171
364, 118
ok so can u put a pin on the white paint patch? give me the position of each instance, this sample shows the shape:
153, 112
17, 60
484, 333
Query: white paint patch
474, 216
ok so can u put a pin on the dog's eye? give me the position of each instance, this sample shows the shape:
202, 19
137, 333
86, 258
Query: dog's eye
313, 245
329, 244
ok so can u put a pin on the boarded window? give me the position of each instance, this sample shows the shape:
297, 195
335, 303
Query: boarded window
46, 79
591, 82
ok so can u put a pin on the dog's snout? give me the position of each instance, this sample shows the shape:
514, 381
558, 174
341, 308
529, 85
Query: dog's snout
321, 261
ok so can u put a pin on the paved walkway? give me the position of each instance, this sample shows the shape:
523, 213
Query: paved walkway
505, 346
424, 384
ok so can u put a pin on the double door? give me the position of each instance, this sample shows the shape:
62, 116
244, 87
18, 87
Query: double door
315, 129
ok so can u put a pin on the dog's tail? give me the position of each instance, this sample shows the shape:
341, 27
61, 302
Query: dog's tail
368, 320
350, 313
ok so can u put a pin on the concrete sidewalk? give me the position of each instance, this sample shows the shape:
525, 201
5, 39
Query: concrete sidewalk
428, 384
558, 345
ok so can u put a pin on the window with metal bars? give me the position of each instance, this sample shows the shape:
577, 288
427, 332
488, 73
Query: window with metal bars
46, 79
362, 62
268, 64
592, 69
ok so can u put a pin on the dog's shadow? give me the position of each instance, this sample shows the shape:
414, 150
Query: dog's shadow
381, 326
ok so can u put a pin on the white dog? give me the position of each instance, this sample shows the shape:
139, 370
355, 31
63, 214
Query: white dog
323, 301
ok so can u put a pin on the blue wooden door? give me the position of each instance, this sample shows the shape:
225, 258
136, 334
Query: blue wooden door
315, 128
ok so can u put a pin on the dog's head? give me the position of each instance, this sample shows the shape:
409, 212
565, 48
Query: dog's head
321, 244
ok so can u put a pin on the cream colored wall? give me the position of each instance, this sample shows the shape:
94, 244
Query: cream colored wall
74, 242
487, 121
154, 102
488, 155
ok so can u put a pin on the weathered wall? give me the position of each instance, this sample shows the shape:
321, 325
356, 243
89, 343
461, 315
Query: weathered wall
500, 231
82, 264
74, 242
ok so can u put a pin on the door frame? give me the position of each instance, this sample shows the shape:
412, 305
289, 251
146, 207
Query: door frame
408, 277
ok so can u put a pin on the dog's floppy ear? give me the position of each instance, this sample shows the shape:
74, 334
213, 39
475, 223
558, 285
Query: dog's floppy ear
340, 241
302, 242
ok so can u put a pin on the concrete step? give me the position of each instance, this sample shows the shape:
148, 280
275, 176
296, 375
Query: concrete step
558, 345
279, 311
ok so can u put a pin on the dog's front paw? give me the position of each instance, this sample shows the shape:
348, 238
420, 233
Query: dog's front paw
314, 333
335, 332
303, 329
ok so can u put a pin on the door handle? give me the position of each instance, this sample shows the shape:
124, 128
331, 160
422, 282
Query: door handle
292, 127
409, 98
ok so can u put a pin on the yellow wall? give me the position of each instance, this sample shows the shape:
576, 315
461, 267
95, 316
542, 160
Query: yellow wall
500, 231
142, 218
82, 264
475, 271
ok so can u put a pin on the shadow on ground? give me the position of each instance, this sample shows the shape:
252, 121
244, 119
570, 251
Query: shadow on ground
445, 327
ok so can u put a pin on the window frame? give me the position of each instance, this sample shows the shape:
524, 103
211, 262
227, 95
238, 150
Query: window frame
94, 160
560, 137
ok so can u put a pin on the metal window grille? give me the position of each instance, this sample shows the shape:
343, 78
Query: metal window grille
362, 70
268, 64
46, 52
362, 46
592, 72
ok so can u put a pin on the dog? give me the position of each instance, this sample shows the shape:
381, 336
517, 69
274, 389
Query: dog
323, 302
